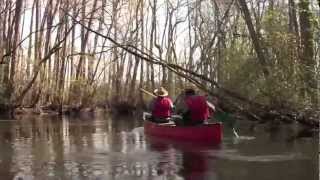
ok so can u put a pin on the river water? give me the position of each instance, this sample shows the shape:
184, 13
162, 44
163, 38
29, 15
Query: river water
102, 147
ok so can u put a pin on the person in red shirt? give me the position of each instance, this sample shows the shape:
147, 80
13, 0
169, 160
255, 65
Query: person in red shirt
194, 108
161, 107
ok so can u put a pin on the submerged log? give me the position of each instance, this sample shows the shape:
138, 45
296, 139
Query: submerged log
304, 133
309, 121
305, 117
27, 110
71, 109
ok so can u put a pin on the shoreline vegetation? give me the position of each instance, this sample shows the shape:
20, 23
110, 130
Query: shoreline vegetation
261, 59
300, 124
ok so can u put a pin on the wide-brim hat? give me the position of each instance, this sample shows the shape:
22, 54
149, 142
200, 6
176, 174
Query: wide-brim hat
162, 92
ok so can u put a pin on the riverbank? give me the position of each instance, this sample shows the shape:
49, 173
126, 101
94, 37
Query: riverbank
307, 121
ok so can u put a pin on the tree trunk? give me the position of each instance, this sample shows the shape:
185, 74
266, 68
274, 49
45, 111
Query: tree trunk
115, 57
255, 36
29, 60
142, 47
15, 42
133, 82
84, 37
153, 36
307, 55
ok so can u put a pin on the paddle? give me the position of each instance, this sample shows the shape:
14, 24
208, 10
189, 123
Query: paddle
147, 92
226, 119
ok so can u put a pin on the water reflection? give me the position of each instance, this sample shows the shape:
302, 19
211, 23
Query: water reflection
6, 154
194, 165
184, 160
102, 147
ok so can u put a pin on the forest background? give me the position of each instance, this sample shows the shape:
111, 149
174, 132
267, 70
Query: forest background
260, 57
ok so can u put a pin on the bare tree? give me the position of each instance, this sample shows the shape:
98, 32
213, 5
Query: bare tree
16, 20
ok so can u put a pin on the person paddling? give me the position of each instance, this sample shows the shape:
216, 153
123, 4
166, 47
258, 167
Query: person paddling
161, 106
194, 108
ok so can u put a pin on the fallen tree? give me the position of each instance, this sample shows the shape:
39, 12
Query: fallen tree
231, 101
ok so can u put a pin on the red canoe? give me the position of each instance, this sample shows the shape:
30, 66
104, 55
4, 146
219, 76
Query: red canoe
204, 133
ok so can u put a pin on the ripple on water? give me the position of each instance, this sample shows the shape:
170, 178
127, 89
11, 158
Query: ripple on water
103, 156
22, 176
234, 156
239, 138
138, 129
246, 138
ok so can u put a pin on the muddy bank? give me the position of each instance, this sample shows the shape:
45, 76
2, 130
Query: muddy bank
123, 108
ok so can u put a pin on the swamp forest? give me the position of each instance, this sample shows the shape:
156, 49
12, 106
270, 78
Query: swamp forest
75, 77
261, 58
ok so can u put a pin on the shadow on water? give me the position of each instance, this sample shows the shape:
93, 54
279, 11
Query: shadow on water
104, 147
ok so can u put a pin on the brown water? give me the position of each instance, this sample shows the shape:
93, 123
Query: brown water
115, 148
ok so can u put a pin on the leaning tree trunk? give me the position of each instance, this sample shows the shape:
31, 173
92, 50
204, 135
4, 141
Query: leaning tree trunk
255, 36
